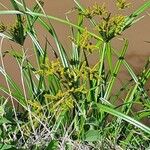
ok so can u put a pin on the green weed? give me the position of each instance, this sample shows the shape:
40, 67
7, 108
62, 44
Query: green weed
67, 103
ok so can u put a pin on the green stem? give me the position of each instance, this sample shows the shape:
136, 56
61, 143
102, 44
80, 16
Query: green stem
101, 69
115, 72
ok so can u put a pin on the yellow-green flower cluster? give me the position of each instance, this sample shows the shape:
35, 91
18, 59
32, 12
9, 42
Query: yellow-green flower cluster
68, 77
17, 31
111, 26
2, 27
50, 68
63, 100
85, 42
74, 83
122, 4
60, 102
94, 10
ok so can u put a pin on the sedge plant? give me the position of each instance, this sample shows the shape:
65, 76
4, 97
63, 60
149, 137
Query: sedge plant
65, 102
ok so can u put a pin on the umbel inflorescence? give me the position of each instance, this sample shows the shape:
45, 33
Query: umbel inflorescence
109, 25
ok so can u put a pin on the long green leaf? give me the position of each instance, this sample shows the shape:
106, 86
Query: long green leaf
11, 12
120, 115
135, 14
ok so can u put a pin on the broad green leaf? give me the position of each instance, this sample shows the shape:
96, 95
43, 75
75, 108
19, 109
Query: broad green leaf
6, 147
92, 136
4, 120
53, 145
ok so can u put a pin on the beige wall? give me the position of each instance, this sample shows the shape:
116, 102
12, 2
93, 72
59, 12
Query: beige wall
138, 50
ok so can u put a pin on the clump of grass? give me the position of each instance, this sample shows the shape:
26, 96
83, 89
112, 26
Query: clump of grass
68, 103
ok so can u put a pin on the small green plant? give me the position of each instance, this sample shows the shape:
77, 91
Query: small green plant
68, 103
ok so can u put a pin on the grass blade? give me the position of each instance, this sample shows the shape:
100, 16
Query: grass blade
120, 115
